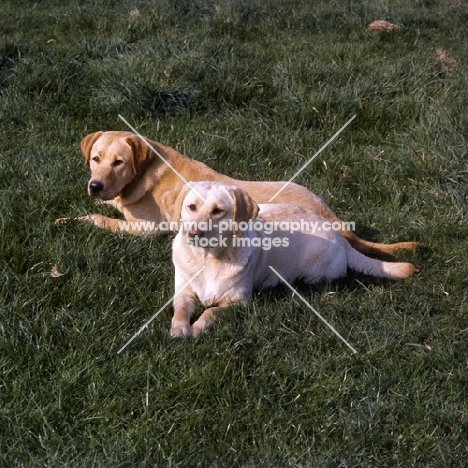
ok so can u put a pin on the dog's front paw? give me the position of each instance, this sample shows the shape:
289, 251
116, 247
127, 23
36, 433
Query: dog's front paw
96, 219
198, 328
181, 331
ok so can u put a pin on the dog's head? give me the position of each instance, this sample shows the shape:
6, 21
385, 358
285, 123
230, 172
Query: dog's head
210, 209
115, 160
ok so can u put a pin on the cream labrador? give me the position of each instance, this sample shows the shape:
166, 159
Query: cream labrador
224, 251
133, 173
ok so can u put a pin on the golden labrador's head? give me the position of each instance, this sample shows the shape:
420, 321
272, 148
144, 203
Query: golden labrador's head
115, 159
211, 210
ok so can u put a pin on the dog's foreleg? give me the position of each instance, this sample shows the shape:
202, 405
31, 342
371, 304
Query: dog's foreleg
102, 221
183, 310
114, 225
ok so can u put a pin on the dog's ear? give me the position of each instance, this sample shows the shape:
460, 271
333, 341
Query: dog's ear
172, 201
142, 154
87, 144
244, 207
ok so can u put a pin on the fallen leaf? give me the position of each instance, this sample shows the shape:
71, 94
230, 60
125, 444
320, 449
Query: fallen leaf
55, 273
444, 58
382, 25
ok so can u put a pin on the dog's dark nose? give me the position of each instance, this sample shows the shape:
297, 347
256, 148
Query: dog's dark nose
95, 187
195, 232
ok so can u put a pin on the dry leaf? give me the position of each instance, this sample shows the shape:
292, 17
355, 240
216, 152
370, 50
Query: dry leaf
444, 58
55, 273
382, 25
327, 296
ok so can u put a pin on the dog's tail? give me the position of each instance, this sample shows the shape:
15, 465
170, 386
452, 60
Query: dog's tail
374, 247
362, 245
371, 266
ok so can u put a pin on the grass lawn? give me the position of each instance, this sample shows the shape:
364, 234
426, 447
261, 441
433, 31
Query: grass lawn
252, 88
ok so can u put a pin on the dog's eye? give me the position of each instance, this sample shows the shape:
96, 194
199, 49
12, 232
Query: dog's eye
96, 159
217, 210
192, 207
117, 162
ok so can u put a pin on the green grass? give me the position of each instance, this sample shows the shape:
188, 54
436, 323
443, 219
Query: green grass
252, 88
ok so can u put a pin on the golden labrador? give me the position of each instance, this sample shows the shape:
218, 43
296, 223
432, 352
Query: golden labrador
222, 234
127, 173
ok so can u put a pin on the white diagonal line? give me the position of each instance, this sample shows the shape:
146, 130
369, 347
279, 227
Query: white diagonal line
313, 310
312, 158
160, 310
160, 157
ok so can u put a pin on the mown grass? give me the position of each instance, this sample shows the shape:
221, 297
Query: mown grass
253, 89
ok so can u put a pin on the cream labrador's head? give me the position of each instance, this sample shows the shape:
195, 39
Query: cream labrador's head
206, 209
115, 160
